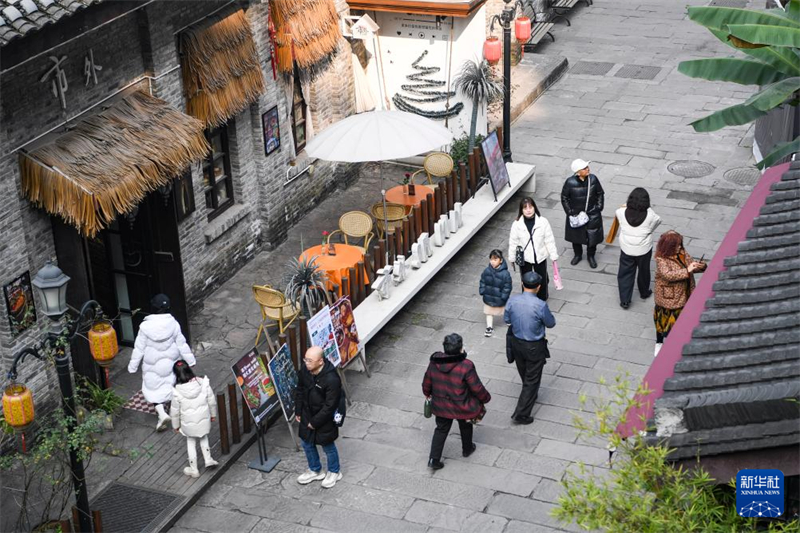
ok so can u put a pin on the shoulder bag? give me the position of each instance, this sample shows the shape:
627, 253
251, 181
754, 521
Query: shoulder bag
519, 256
582, 218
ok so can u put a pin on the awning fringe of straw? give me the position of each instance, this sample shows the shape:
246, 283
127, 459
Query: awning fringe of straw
109, 162
221, 70
307, 32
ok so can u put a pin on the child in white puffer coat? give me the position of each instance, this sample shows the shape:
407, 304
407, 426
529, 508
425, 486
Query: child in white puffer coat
194, 407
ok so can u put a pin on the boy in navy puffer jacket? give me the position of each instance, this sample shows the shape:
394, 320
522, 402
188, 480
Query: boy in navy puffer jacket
495, 288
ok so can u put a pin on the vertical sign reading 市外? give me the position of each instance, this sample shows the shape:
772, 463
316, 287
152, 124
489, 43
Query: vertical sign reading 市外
759, 493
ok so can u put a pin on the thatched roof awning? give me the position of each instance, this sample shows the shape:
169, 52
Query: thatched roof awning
109, 162
221, 71
306, 32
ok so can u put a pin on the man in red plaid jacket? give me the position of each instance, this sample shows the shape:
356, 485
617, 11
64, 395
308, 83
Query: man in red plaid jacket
457, 393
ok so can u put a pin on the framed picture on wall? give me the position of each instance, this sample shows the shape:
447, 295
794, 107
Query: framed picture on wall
272, 132
19, 303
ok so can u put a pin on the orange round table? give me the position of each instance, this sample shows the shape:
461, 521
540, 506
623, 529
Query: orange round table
336, 266
396, 195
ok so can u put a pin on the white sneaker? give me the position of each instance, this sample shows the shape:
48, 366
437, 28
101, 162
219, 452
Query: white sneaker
210, 463
657, 349
191, 472
331, 479
162, 423
307, 477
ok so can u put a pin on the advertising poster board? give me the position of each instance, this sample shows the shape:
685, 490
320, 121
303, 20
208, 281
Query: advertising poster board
320, 330
20, 304
258, 390
284, 377
344, 330
498, 173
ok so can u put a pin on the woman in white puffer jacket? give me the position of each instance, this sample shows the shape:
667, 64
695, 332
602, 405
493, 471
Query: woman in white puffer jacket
532, 233
194, 407
159, 344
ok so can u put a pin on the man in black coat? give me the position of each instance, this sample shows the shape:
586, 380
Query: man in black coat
574, 201
316, 400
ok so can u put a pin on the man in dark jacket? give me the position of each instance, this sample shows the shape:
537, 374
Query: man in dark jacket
574, 201
316, 400
528, 317
456, 393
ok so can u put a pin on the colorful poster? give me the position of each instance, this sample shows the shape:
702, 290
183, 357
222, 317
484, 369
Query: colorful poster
272, 132
320, 330
19, 303
256, 384
344, 329
284, 377
498, 173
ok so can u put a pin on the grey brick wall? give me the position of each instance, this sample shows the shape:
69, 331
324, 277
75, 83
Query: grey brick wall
144, 43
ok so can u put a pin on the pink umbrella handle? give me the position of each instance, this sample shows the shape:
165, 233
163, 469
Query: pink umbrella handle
557, 277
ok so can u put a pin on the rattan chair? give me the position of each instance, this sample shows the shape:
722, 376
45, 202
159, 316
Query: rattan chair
356, 225
437, 164
275, 310
395, 213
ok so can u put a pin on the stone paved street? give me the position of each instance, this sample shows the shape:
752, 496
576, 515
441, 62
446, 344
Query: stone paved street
630, 129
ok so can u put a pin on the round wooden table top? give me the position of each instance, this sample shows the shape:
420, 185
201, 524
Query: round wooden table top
335, 266
396, 195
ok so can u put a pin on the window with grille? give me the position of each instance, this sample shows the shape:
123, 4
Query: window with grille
298, 116
217, 180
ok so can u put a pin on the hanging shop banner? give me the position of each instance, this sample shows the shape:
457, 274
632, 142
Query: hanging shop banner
284, 377
256, 385
19, 304
344, 329
320, 329
498, 173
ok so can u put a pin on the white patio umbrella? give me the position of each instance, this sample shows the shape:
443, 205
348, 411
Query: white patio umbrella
378, 136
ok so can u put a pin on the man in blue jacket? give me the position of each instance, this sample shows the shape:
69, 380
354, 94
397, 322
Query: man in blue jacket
527, 317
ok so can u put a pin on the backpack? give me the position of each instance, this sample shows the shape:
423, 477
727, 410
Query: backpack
341, 411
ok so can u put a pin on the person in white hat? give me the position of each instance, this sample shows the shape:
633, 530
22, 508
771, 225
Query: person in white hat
582, 198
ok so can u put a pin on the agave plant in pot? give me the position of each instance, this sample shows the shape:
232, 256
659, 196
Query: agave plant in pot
305, 285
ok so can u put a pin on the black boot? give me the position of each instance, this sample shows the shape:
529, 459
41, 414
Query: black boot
436, 464
576, 260
592, 262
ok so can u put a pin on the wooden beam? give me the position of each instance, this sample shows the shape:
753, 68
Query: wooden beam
418, 7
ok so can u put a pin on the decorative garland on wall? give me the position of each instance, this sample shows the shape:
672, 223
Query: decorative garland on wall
422, 87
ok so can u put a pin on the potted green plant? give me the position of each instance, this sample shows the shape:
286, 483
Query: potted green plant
477, 82
305, 285
96, 399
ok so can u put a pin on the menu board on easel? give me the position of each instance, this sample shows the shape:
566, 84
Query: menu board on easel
285, 378
344, 330
320, 330
498, 173
258, 390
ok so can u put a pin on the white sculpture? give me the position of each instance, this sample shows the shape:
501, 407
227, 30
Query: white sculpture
452, 223
438, 234
445, 227
414, 260
381, 284
457, 208
427, 247
399, 270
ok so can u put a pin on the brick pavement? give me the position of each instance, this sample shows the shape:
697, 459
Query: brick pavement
631, 129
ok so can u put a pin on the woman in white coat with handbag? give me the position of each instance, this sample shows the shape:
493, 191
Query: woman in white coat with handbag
531, 242
159, 344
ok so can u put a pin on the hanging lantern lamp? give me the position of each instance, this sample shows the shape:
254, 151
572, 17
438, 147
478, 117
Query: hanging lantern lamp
492, 50
522, 29
18, 406
103, 343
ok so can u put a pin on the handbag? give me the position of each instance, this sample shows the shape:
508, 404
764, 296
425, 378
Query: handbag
428, 409
519, 256
581, 219
612, 232
479, 417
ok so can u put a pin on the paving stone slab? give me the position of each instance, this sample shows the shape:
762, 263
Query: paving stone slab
430, 488
332, 518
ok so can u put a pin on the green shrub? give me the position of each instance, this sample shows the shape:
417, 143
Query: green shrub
458, 150
643, 492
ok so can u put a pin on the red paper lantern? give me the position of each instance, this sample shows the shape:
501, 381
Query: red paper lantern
522, 29
492, 50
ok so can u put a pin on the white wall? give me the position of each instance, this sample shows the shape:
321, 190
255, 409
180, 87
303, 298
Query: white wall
403, 37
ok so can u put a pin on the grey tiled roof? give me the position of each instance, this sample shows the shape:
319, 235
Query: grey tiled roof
20, 17
735, 384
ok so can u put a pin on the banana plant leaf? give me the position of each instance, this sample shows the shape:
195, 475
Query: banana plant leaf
742, 71
781, 59
719, 18
730, 116
780, 151
774, 94
769, 35
792, 10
